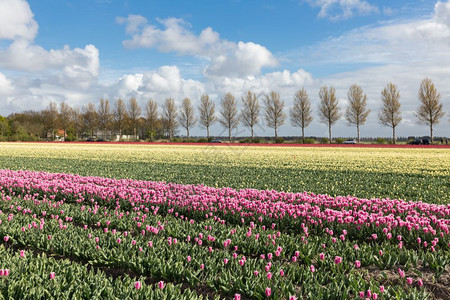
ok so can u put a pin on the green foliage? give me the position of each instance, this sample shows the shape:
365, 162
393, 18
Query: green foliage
250, 141
187, 140
339, 141
70, 138
29, 278
279, 140
4, 127
310, 141
381, 141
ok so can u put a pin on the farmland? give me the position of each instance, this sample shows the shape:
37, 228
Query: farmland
226, 222
411, 174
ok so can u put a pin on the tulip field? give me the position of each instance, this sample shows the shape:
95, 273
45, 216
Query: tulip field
81, 221
417, 174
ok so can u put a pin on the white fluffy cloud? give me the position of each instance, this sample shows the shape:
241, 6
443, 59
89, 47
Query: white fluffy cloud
159, 84
284, 82
55, 75
176, 36
240, 60
21, 55
5, 85
37, 75
343, 9
166, 80
16, 20
442, 13
17, 25
225, 58
67, 67
404, 42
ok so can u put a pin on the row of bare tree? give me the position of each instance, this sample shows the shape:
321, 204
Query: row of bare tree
128, 117
429, 112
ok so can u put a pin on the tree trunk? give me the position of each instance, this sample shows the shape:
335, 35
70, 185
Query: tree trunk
431, 132
303, 135
207, 132
253, 136
329, 132
357, 131
393, 135
229, 133
276, 132
187, 133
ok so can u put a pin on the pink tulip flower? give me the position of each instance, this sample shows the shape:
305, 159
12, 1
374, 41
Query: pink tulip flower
161, 284
137, 285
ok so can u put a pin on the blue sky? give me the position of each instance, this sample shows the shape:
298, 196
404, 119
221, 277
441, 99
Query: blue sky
81, 51
280, 27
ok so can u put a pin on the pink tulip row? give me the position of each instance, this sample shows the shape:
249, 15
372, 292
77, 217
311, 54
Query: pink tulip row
246, 203
103, 190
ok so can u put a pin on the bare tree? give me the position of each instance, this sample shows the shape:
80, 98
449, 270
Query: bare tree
229, 117
390, 109
186, 118
274, 113
90, 119
120, 115
169, 116
356, 112
141, 128
301, 114
64, 117
207, 110
104, 116
151, 117
51, 118
329, 107
77, 121
134, 112
431, 109
250, 111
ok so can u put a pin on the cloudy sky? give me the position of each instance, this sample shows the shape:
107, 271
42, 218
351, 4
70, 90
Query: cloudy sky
80, 51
